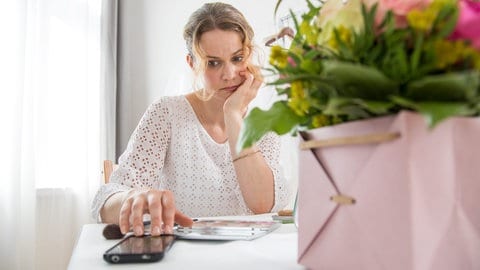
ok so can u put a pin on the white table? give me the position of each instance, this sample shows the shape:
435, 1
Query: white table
277, 250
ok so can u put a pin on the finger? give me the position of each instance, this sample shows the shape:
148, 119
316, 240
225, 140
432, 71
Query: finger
256, 84
168, 204
138, 209
252, 89
182, 219
248, 78
247, 84
256, 72
125, 211
154, 198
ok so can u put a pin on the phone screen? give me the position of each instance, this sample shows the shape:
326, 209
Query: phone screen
146, 248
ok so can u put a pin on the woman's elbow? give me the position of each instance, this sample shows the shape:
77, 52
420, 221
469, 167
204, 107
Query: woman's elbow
262, 207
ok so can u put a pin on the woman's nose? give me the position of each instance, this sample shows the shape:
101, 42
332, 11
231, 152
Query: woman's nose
229, 72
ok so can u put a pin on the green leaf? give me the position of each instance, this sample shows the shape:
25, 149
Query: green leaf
334, 105
446, 20
375, 107
271, 70
292, 78
281, 91
345, 106
436, 112
311, 54
358, 81
276, 8
310, 6
310, 66
344, 50
417, 50
458, 86
279, 119
297, 27
312, 10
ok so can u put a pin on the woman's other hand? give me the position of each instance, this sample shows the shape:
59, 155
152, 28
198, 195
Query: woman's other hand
160, 204
246, 92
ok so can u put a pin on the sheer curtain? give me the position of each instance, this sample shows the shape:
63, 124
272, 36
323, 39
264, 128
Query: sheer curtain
56, 124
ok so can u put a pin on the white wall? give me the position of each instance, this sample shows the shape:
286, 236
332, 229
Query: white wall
152, 58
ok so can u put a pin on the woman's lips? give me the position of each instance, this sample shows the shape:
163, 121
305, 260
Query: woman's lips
230, 88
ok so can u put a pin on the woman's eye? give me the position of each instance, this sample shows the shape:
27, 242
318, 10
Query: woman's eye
213, 63
238, 58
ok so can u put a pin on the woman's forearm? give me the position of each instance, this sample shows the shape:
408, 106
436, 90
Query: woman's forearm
254, 175
111, 209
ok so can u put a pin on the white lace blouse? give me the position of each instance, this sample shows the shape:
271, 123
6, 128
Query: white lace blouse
171, 150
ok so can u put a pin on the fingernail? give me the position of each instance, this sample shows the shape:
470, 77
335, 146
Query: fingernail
138, 230
168, 229
123, 229
156, 230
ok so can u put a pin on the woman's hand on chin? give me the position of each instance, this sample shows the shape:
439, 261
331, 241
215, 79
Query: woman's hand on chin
238, 102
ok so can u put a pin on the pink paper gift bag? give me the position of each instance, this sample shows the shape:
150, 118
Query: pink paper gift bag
408, 200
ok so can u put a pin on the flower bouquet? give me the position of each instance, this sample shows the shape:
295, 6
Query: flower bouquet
361, 59
367, 58
385, 95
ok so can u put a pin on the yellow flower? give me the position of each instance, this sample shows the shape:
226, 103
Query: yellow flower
439, 4
476, 61
299, 106
278, 57
320, 120
448, 52
297, 89
473, 55
345, 35
422, 20
297, 101
309, 32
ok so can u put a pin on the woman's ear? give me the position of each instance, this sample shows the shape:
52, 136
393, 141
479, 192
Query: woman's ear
190, 61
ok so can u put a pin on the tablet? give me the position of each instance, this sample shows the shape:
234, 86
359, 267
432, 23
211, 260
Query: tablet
210, 229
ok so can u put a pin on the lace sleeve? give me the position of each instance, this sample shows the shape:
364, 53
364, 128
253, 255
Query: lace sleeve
139, 166
270, 147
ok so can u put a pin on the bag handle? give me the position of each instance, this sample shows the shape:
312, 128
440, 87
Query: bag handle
352, 140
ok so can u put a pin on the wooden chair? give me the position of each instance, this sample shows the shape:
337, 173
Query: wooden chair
108, 168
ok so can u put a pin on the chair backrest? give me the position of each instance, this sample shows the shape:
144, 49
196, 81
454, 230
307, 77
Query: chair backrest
108, 168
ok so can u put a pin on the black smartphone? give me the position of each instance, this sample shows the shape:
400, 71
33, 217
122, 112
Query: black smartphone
134, 249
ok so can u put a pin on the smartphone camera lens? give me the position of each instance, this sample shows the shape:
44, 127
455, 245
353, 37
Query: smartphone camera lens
115, 258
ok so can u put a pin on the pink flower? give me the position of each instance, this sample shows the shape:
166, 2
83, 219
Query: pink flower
291, 62
468, 25
400, 8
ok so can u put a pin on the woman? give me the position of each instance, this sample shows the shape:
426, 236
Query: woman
184, 146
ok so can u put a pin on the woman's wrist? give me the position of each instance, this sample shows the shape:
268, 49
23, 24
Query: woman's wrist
244, 154
110, 210
233, 123
234, 115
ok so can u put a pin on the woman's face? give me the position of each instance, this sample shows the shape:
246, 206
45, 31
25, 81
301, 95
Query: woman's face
225, 58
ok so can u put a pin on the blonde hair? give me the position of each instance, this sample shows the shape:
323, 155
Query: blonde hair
213, 16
